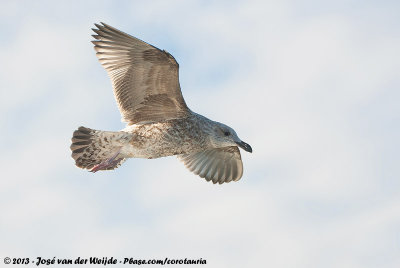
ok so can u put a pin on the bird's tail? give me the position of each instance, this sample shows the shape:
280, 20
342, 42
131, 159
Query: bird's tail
96, 150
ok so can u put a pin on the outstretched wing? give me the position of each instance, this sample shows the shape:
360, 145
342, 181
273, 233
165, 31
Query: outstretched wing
219, 165
145, 79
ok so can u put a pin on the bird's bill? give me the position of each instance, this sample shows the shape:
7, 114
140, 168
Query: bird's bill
244, 146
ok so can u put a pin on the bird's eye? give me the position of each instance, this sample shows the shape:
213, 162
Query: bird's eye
226, 133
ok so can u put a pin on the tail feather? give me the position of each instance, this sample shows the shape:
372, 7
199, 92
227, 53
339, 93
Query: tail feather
91, 147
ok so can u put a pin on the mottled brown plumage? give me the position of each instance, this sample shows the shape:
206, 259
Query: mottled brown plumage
159, 123
145, 79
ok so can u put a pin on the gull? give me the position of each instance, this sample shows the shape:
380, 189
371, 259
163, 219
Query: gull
146, 87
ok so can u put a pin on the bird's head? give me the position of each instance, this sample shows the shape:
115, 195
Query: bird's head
224, 136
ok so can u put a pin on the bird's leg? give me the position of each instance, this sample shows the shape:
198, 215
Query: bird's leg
110, 162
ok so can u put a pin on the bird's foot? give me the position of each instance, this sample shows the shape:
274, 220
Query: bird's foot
108, 163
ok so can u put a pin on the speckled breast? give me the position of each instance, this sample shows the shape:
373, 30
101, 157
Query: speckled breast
172, 137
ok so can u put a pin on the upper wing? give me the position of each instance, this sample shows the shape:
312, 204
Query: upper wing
219, 164
145, 78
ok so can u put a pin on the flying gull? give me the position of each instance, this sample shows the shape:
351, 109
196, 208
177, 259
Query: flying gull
159, 123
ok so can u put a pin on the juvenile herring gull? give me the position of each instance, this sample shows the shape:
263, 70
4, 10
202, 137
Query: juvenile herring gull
159, 123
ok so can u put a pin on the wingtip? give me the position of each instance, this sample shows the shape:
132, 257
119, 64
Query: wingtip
98, 31
103, 25
96, 36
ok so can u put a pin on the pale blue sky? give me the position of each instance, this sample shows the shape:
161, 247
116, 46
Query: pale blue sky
313, 86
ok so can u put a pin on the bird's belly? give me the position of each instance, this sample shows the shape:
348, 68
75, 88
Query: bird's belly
155, 150
161, 139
